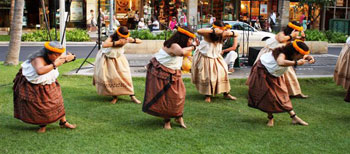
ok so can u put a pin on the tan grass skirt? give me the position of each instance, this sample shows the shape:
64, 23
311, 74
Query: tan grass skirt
112, 76
165, 91
210, 75
35, 103
342, 68
266, 92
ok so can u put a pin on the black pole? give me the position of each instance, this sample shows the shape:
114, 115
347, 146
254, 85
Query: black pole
99, 25
54, 19
45, 17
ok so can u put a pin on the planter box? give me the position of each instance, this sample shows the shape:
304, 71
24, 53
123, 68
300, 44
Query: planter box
146, 47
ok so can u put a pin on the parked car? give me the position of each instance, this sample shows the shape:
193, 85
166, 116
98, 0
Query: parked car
244, 29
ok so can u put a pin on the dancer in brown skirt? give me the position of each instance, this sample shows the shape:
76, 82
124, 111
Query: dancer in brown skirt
36, 93
112, 75
291, 32
165, 91
209, 70
267, 87
342, 69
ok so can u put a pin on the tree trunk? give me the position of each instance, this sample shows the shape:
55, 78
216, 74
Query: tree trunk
11, 12
12, 57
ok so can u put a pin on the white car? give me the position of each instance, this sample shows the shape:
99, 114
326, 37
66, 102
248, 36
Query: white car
249, 33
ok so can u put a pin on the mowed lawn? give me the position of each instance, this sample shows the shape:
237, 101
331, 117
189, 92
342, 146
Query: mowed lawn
222, 126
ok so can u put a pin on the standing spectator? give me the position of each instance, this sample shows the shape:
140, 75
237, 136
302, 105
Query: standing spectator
172, 23
302, 17
116, 22
305, 23
183, 19
130, 21
92, 20
272, 19
136, 18
212, 20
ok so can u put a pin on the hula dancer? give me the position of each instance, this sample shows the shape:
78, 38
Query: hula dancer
267, 89
165, 91
342, 69
112, 75
291, 32
209, 70
36, 93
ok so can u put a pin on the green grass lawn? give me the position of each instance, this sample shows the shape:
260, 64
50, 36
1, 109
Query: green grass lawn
219, 127
5, 38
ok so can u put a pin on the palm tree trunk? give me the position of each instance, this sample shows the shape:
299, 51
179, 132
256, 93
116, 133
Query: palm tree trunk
12, 57
11, 12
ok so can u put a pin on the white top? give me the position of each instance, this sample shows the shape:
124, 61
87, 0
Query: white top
172, 62
272, 43
271, 65
211, 50
33, 77
155, 24
348, 41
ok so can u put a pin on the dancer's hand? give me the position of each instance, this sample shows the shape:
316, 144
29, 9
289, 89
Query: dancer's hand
59, 61
310, 59
301, 62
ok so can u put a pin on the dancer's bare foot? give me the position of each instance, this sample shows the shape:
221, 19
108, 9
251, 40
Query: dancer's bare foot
167, 125
181, 122
229, 96
67, 125
114, 100
135, 100
270, 123
42, 130
207, 99
297, 120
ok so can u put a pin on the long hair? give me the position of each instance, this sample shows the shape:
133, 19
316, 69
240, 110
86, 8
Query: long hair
214, 37
288, 30
179, 38
123, 30
289, 50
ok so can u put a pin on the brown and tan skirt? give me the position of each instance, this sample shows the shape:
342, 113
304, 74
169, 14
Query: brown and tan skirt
342, 68
35, 103
266, 92
292, 82
165, 91
210, 75
112, 76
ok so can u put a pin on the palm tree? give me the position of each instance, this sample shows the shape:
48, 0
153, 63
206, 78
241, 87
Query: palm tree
12, 57
11, 12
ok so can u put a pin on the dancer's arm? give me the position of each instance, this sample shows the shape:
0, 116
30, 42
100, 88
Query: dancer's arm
176, 50
109, 43
207, 31
282, 61
41, 67
134, 40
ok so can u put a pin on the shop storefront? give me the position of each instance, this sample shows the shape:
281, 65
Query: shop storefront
251, 10
296, 11
5, 6
340, 11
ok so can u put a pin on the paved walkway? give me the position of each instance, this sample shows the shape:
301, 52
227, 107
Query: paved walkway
324, 67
